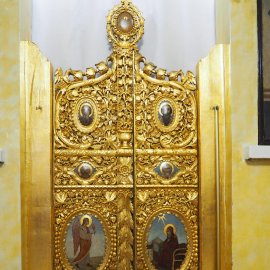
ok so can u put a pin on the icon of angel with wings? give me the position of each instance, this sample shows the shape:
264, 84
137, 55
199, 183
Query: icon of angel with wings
82, 231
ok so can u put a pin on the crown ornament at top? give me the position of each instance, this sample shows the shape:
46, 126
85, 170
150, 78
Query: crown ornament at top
125, 25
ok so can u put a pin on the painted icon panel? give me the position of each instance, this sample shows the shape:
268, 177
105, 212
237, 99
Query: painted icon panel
85, 242
167, 242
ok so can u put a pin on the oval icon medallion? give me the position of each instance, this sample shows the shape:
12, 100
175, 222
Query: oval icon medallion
86, 115
166, 114
166, 170
85, 242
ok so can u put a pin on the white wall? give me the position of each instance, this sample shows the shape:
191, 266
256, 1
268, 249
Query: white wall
72, 33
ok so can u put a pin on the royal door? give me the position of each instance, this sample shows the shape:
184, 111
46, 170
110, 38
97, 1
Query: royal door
122, 156
125, 160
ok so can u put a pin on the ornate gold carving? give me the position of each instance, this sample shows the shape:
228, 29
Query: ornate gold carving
103, 100
105, 170
124, 171
125, 236
153, 134
124, 89
187, 174
132, 33
96, 113
126, 152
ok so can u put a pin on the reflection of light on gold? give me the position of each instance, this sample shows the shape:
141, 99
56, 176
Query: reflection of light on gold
167, 226
161, 217
89, 220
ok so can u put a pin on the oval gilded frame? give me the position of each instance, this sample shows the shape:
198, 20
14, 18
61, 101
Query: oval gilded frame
108, 244
176, 114
119, 37
191, 244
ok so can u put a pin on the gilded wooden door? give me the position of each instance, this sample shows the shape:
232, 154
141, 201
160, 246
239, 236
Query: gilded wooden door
125, 180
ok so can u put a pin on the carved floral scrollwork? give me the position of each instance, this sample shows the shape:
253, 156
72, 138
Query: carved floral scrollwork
151, 133
186, 173
101, 133
105, 170
124, 89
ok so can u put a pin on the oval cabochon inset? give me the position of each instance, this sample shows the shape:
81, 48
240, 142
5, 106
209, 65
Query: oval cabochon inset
85, 242
86, 114
125, 22
167, 236
166, 113
85, 170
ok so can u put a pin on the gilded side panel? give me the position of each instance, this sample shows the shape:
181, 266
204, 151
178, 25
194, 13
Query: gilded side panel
36, 142
213, 83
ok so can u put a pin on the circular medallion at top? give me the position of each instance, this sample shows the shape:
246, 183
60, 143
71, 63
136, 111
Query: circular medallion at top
125, 25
